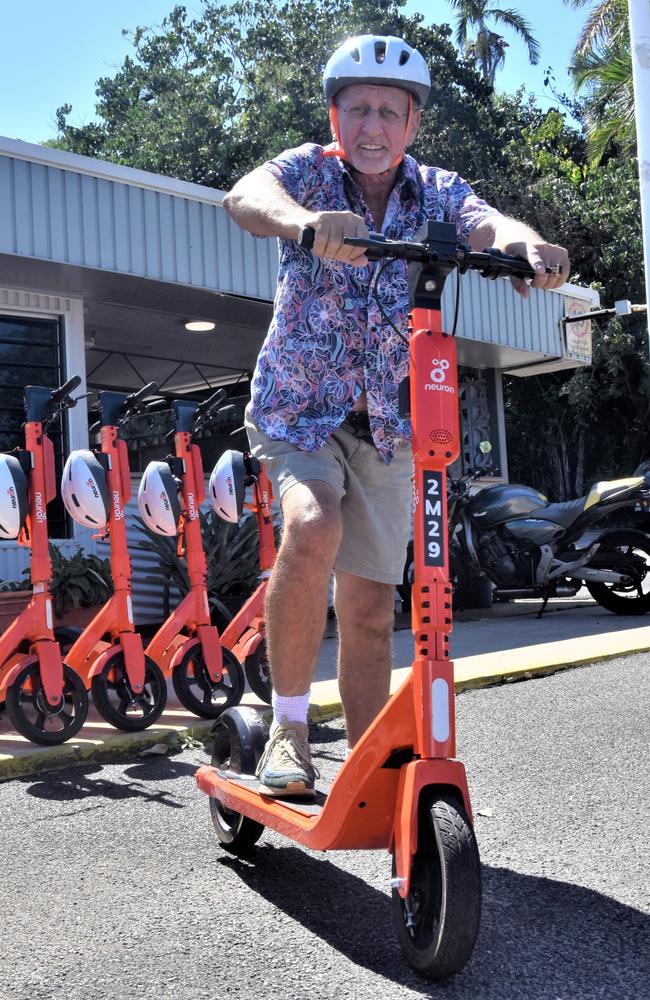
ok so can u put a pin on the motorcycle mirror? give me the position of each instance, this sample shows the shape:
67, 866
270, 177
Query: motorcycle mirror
485, 447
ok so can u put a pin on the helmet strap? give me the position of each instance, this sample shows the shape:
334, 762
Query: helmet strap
338, 150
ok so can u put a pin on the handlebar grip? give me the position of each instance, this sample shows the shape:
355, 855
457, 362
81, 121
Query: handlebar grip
208, 405
306, 238
158, 404
146, 390
64, 390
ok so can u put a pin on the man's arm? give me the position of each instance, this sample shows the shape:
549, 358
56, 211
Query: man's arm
520, 240
261, 205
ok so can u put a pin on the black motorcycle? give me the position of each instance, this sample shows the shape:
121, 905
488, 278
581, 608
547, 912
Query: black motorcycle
524, 546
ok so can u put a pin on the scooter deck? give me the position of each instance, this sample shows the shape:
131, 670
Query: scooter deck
304, 805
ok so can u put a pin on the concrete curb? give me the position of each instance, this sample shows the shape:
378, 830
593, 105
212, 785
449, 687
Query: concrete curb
471, 673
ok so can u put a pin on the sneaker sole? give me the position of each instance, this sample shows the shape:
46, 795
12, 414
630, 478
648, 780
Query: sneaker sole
294, 788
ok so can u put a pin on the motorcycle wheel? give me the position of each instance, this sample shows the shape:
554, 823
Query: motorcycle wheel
634, 598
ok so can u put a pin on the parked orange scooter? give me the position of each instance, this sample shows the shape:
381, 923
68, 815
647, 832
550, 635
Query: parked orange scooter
244, 634
46, 700
401, 788
128, 688
207, 677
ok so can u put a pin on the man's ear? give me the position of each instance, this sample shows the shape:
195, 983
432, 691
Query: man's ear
414, 127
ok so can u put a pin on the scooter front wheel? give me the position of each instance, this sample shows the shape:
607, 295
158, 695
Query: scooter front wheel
239, 739
196, 690
438, 922
258, 673
38, 721
119, 704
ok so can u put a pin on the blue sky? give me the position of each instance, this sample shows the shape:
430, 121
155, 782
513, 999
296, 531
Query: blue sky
52, 53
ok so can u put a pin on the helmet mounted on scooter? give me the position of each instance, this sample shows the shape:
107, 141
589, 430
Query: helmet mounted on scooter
158, 499
14, 500
84, 489
228, 486
378, 60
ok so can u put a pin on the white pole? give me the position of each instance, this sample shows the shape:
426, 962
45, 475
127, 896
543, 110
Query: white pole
640, 46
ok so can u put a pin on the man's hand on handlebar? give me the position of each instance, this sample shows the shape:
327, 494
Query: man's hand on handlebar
330, 229
550, 263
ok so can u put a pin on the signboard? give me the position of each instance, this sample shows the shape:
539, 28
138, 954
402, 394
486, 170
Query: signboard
577, 335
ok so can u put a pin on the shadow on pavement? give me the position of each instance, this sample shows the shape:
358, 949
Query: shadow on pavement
84, 782
539, 940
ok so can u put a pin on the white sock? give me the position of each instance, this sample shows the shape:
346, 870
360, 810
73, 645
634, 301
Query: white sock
293, 709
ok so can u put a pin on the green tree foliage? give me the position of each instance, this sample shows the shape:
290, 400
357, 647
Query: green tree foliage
602, 71
488, 48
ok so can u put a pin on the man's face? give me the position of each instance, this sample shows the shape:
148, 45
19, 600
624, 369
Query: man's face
372, 123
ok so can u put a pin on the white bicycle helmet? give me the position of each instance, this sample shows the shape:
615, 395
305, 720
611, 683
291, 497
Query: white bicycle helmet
158, 499
228, 486
380, 60
84, 489
14, 499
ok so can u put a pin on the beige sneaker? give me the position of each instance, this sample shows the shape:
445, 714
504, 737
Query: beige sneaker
285, 767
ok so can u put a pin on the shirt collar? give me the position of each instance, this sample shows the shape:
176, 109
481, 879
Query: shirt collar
406, 183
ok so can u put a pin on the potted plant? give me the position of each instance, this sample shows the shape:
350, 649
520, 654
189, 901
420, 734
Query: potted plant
81, 583
14, 597
231, 552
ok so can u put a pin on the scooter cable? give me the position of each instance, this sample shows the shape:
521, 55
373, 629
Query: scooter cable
387, 318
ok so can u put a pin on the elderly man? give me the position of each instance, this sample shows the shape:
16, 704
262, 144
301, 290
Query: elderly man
323, 414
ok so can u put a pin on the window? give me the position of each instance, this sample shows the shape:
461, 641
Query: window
31, 354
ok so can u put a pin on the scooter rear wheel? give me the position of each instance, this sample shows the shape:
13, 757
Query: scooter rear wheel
258, 673
239, 739
196, 690
438, 922
33, 718
119, 704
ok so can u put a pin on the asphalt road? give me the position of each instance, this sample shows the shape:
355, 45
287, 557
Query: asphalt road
114, 886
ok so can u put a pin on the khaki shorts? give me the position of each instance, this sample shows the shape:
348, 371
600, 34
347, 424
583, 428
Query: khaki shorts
375, 497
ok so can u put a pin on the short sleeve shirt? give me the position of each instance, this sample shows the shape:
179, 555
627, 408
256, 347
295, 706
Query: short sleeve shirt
328, 340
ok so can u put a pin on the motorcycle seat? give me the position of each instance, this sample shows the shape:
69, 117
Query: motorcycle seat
560, 513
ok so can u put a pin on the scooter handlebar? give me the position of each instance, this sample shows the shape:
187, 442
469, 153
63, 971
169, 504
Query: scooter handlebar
205, 408
60, 394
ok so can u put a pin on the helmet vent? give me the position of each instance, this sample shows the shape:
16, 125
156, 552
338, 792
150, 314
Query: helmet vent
380, 51
73, 497
147, 508
404, 57
356, 55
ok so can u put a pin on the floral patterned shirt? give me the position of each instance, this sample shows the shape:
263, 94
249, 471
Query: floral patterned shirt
328, 340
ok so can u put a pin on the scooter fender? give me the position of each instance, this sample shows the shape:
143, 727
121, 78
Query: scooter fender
13, 666
131, 644
419, 782
247, 644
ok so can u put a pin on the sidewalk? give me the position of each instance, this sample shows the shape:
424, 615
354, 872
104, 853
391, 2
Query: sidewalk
503, 644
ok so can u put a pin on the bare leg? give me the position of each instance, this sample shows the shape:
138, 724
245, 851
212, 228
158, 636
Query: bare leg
296, 599
365, 611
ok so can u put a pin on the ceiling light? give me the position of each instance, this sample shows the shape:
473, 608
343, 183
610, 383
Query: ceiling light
200, 325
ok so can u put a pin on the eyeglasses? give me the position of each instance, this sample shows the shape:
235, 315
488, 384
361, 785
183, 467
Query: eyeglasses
360, 112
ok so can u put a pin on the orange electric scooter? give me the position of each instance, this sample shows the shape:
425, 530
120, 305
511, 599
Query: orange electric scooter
207, 677
46, 700
244, 633
128, 688
401, 788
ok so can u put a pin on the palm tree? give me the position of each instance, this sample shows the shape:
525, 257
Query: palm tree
487, 49
601, 67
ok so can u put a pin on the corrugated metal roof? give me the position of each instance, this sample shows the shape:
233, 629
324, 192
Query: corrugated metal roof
60, 214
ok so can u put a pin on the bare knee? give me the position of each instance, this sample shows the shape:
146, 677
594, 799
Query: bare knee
312, 523
368, 610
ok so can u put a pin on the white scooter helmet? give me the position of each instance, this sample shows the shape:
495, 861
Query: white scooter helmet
228, 486
84, 489
379, 60
14, 499
158, 500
